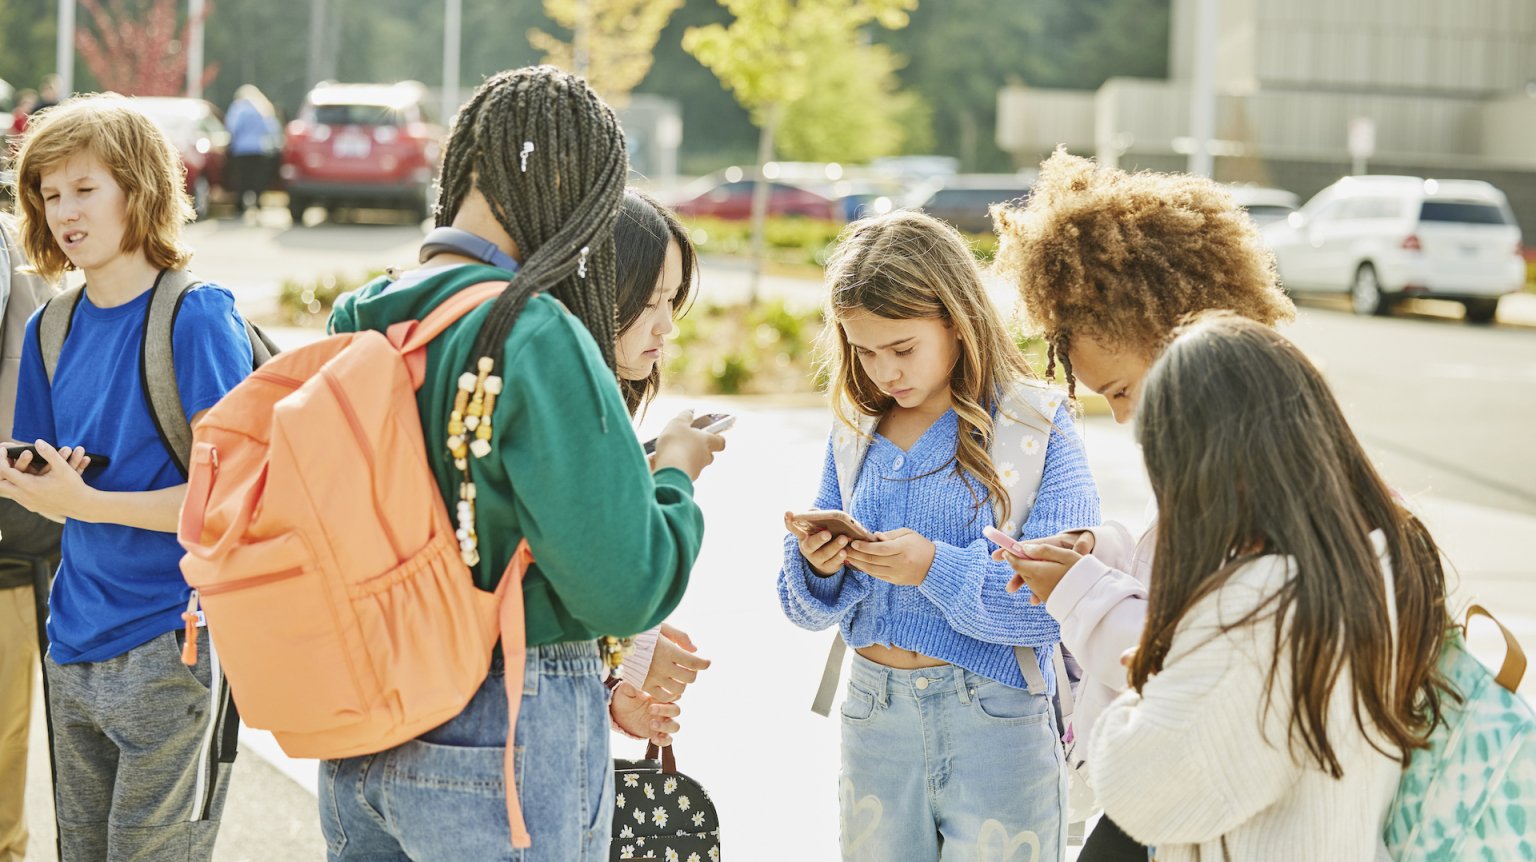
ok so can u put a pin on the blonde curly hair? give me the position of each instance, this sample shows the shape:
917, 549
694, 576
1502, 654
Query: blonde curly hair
1123, 258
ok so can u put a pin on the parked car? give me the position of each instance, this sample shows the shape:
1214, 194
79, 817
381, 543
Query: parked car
965, 199
1265, 205
1379, 239
193, 125
718, 197
362, 145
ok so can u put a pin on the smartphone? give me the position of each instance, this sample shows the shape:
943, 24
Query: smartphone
714, 423
14, 450
1006, 542
835, 522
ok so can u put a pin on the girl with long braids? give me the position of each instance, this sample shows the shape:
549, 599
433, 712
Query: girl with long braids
529, 438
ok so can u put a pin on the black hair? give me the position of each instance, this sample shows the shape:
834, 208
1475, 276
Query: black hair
644, 230
549, 158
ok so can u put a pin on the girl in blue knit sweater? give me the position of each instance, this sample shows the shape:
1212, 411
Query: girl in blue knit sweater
946, 743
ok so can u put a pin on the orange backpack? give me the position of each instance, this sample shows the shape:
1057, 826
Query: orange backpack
323, 556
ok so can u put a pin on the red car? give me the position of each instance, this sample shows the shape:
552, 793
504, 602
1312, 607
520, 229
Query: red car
362, 145
193, 125
733, 200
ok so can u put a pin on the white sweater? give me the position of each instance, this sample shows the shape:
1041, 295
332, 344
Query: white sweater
1196, 757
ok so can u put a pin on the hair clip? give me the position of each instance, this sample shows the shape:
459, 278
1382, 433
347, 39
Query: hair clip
527, 148
581, 266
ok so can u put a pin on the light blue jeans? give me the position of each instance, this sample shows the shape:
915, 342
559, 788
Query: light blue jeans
441, 796
941, 763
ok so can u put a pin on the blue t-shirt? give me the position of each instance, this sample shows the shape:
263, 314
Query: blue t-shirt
118, 587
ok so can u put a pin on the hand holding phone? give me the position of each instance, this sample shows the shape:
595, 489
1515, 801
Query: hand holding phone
35, 463
689, 448
825, 551
709, 423
1006, 542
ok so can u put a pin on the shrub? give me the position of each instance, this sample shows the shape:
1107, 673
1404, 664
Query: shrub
308, 303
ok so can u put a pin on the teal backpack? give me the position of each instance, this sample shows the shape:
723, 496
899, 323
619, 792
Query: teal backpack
1472, 795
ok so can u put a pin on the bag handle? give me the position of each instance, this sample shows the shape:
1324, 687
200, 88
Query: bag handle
1513, 669
664, 754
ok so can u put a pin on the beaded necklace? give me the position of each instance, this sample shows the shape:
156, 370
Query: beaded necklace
469, 425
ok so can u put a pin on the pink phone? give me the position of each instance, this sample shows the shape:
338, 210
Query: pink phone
1006, 542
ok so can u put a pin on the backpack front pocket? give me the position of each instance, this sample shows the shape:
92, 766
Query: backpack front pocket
279, 637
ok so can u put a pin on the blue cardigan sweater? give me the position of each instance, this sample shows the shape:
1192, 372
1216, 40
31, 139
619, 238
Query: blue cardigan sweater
961, 613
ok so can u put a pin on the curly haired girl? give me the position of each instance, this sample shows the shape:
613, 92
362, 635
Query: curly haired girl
1108, 264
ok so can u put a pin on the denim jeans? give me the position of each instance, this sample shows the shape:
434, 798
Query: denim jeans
441, 797
942, 763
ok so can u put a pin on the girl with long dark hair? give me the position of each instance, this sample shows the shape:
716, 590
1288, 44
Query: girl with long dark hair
1295, 619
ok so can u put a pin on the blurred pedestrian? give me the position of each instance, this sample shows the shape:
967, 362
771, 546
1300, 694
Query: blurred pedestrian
255, 139
26, 103
49, 92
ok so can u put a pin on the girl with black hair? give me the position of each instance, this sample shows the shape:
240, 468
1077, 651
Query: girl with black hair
529, 439
656, 267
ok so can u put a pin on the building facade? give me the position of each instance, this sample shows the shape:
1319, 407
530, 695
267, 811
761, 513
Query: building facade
1447, 86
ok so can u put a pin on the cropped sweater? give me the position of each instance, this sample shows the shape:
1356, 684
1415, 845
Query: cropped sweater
961, 613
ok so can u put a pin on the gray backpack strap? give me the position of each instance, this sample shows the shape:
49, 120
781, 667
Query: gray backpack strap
822, 705
849, 446
1029, 665
53, 327
157, 365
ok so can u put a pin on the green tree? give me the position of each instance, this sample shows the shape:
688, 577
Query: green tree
137, 50
27, 38
959, 54
777, 53
612, 41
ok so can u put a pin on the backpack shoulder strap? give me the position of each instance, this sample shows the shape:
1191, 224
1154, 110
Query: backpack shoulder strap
849, 446
1021, 432
53, 327
157, 365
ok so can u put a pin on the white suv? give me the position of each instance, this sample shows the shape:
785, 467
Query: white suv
1381, 238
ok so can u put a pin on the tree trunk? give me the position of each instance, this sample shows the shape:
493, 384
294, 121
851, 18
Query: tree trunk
760, 192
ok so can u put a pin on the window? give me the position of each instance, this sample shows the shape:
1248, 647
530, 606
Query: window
356, 115
1465, 213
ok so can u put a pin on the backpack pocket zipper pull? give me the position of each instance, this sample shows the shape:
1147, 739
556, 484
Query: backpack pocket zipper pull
189, 647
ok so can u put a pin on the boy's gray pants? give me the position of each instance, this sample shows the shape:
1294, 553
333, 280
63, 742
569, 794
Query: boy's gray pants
144, 746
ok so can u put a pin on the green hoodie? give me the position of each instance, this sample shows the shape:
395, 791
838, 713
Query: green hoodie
614, 543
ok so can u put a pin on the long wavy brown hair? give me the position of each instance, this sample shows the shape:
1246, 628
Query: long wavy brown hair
1249, 455
911, 266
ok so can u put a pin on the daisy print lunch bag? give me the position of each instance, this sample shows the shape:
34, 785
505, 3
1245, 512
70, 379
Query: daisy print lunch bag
660, 813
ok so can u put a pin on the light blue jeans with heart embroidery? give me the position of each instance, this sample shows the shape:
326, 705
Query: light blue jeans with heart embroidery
942, 763
441, 796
